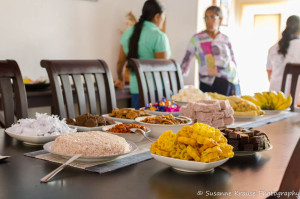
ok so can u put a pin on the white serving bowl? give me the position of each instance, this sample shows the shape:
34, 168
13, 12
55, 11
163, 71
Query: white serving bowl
32, 140
188, 166
177, 113
158, 129
134, 137
180, 103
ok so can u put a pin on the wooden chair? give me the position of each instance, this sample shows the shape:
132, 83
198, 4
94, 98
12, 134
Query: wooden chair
13, 94
93, 86
291, 178
165, 74
294, 70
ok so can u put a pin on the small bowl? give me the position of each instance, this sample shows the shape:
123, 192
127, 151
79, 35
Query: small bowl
134, 137
158, 129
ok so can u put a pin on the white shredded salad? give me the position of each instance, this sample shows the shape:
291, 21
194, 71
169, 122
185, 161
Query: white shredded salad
190, 95
43, 125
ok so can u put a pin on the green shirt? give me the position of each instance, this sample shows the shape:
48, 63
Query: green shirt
151, 40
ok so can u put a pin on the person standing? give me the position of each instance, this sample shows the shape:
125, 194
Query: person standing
213, 51
287, 50
143, 41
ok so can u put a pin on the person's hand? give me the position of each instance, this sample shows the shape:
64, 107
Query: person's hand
119, 84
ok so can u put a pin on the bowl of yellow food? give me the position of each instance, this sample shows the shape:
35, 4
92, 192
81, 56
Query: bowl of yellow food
161, 123
196, 148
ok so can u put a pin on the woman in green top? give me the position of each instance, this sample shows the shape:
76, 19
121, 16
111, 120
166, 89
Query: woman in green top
143, 41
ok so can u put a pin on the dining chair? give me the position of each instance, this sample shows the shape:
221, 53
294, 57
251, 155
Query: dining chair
164, 75
294, 70
85, 85
291, 178
13, 94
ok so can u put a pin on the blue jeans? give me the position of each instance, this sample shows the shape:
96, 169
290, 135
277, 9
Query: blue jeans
135, 101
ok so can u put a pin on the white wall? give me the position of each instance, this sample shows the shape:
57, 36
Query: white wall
32, 30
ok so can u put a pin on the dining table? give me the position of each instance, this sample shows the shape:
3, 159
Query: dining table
254, 176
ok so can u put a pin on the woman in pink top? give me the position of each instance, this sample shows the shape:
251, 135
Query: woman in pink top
213, 51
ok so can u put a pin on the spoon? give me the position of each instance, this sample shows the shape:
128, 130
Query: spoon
137, 130
184, 118
47, 177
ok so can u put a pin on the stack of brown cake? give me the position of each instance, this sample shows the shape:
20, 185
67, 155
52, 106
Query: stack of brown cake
246, 140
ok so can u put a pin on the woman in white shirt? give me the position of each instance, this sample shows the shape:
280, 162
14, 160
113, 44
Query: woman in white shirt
287, 50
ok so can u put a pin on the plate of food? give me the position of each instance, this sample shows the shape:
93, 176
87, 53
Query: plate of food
126, 115
161, 123
181, 103
243, 118
162, 107
246, 141
89, 122
37, 86
41, 130
32, 140
94, 146
123, 130
40, 84
177, 113
189, 166
247, 153
195, 148
275, 112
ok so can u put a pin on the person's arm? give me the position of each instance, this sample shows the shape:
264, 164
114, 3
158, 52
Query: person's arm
231, 52
269, 63
161, 55
185, 65
269, 74
120, 69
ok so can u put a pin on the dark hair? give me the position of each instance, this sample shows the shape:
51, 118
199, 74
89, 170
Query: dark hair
150, 9
292, 27
217, 10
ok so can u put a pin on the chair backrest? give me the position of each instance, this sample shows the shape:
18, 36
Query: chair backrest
294, 70
13, 94
92, 86
164, 74
291, 179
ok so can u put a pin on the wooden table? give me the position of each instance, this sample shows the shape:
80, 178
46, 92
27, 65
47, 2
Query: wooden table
19, 175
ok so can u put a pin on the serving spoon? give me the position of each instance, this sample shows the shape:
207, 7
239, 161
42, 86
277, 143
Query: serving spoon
137, 130
47, 177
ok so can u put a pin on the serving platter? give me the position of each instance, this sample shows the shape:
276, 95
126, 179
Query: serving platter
37, 86
177, 113
158, 129
134, 137
124, 121
248, 117
275, 112
84, 128
32, 140
248, 153
133, 147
